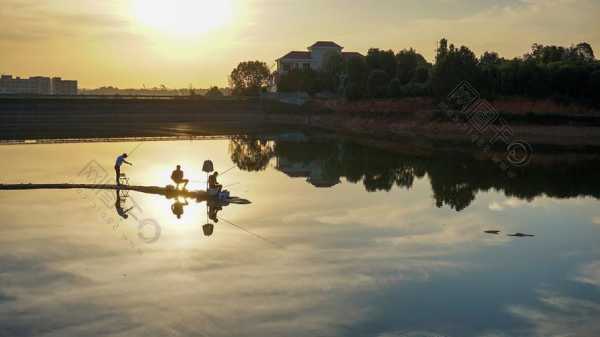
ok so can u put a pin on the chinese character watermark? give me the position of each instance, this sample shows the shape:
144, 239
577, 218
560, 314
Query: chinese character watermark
148, 229
486, 127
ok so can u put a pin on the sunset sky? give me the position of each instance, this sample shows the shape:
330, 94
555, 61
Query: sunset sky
178, 43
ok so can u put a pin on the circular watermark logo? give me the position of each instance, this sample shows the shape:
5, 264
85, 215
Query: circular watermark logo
149, 235
518, 153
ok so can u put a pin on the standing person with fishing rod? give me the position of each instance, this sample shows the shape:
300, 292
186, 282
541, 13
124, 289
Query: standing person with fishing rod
120, 160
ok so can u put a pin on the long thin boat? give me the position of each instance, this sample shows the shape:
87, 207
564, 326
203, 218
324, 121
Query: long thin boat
168, 191
164, 191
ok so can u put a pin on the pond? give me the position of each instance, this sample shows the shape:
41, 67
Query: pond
340, 239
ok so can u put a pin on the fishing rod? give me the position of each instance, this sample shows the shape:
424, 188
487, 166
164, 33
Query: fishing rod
229, 169
252, 233
204, 182
220, 174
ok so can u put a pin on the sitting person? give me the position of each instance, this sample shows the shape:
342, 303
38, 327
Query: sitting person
177, 177
213, 184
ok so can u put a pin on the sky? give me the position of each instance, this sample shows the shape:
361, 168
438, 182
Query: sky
178, 43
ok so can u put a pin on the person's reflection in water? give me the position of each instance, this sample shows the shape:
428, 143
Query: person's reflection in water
119, 206
208, 229
213, 210
177, 207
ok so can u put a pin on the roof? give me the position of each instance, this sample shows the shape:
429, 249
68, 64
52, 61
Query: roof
326, 44
296, 55
348, 55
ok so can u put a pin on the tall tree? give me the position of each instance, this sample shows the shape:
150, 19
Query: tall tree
408, 60
377, 84
332, 70
583, 51
454, 65
213, 92
249, 78
357, 72
382, 60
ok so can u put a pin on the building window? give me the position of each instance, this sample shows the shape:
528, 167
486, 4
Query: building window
306, 66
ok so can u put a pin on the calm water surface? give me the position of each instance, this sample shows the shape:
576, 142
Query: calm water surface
340, 240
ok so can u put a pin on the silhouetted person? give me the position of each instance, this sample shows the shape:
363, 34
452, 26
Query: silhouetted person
177, 177
122, 212
177, 208
118, 163
212, 182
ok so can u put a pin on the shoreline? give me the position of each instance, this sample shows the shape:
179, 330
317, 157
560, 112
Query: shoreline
410, 123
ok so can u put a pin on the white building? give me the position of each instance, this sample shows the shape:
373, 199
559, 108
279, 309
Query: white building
311, 59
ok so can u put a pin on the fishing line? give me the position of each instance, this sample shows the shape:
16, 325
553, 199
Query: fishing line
229, 169
252, 233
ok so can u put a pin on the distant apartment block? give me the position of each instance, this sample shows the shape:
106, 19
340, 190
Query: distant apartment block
37, 85
63, 87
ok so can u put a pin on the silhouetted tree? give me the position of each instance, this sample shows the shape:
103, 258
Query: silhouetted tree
332, 70
583, 51
421, 75
214, 92
249, 78
377, 84
453, 65
408, 60
395, 88
304, 80
489, 59
382, 60
357, 72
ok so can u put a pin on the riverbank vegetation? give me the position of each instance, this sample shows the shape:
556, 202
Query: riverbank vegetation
565, 74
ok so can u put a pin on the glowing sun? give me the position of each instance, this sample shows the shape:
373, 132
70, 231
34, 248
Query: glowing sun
182, 17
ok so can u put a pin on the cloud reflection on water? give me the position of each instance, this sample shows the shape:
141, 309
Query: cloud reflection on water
354, 263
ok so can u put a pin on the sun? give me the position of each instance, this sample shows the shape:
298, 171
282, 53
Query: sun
182, 17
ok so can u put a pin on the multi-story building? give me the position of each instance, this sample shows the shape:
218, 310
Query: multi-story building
33, 85
63, 87
311, 59
37, 85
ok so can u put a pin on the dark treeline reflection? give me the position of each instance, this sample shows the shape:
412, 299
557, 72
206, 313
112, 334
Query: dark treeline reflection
454, 180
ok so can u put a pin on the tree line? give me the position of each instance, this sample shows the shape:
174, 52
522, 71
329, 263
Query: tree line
564, 73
